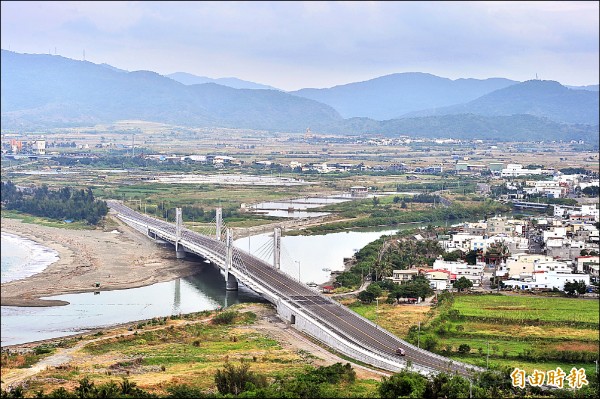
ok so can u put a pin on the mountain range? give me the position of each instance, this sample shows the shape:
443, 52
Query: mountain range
189, 79
44, 91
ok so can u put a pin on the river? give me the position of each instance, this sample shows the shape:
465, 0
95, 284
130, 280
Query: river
302, 257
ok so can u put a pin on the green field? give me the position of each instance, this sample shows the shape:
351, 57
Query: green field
528, 309
520, 331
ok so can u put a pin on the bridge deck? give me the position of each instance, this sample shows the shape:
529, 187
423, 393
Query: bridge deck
329, 313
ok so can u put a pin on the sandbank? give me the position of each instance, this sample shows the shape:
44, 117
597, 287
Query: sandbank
116, 257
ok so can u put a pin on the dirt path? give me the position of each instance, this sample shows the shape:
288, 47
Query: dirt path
363, 287
267, 323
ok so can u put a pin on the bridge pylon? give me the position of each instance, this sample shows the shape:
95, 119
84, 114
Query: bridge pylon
219, 221
179, 251
231, 282
277, 248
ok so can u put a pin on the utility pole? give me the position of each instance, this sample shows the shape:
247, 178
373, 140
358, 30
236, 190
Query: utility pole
419, 337
487, 360
377, 312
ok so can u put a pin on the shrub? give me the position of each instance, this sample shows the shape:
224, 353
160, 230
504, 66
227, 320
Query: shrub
430, 343
464, 349
225, 317
235, 380
42, 349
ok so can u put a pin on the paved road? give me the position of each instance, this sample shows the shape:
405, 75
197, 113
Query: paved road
346, 323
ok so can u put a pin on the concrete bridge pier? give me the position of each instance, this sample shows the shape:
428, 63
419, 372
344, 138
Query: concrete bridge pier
230, 298
179, 251
231, 283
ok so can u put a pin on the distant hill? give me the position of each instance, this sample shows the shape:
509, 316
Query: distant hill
189, 79
588, 87
112, 67
39, 90
469, 126
394, 95
543, 98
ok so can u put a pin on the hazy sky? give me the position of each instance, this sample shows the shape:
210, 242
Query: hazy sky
291, 45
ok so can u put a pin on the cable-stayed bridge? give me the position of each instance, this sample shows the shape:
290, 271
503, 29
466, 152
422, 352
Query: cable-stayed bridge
304, 309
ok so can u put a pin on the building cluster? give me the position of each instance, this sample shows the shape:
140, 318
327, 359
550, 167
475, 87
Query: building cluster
443, 273
33, 147
318, 167
559, 186
527, 254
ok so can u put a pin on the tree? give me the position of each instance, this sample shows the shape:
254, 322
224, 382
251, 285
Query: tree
575, 287
452, 256
448, 386
591, 191
366, 296
464, 348
374, 289
471, 256
417, 288
403, 384
86, 388
430, 343
462, 283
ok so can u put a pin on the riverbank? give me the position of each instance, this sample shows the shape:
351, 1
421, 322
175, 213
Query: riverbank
288, 348
117, 257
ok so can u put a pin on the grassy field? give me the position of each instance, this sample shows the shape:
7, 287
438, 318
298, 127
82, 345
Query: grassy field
187, 350
523, 331
528, 309
520, 331
79, 225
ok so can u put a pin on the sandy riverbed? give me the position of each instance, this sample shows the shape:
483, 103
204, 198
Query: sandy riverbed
117, 258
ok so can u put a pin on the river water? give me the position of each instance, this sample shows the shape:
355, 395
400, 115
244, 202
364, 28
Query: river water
303, 257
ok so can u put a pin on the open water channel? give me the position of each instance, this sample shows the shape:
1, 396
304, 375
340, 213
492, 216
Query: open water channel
302, 257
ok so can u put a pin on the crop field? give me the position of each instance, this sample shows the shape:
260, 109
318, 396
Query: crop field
530, 333
517, 331
528, 309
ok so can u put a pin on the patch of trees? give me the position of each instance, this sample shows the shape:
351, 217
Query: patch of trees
463, 283
421, 198
574, 171
591, 191
418, 287
575, 288
65, 203
398, 254
388, 216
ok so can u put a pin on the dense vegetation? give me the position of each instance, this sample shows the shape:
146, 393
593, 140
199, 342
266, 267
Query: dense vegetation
323, 382
369, 213
397, 252
66, 203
